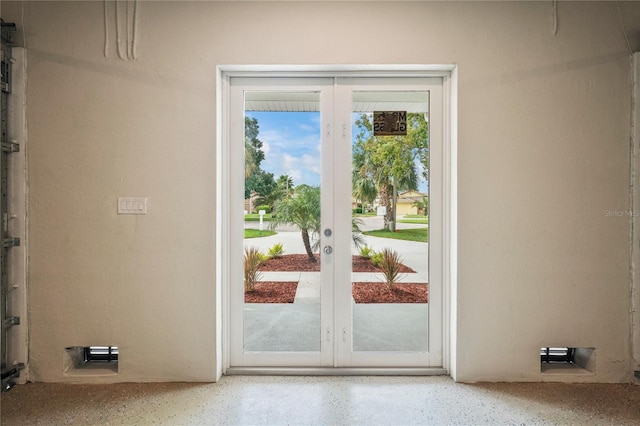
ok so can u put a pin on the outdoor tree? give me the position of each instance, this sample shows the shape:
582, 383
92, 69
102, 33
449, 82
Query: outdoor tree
262, 183
302, 210
422, 205
256, 180
390, 162
285, 185
278, 189
253, 153
364, 188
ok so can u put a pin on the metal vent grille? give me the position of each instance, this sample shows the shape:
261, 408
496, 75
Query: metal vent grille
557, 355
101, 354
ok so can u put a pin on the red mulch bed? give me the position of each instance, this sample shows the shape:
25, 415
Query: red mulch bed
300, 262
378, 293
272, 292
363, 292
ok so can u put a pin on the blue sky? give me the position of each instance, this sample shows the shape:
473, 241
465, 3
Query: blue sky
291, 144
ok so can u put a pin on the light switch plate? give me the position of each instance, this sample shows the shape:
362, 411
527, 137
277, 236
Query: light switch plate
132, 205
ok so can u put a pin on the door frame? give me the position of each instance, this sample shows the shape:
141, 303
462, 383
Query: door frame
448, 73
324, 87
346, 355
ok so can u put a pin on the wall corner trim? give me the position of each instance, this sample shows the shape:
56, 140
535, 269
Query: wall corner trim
635, 206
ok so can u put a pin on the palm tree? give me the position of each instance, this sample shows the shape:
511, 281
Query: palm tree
283, 189
302, 210
422, 205
364, 188
389, 161
356, 233
285, 185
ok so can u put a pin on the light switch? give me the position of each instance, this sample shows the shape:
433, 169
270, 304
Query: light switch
132, 205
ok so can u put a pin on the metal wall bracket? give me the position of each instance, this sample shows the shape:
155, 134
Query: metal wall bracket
10, 242
10, 322
11, 374
6, 76
8, 28
10, 147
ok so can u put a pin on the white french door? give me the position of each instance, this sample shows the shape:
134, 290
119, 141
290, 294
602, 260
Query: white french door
297, 137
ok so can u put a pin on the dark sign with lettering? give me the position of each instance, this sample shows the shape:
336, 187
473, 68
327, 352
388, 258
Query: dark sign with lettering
389, 123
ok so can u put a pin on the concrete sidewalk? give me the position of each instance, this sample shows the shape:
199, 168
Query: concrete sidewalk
281, 327
376, 327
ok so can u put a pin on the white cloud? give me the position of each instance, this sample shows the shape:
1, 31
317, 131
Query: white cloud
303, 169
291, 146
311, 163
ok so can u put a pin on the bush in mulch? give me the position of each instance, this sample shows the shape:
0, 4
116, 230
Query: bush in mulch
300, 262
376, 292
272, 292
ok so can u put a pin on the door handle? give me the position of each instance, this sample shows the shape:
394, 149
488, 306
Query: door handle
327, 250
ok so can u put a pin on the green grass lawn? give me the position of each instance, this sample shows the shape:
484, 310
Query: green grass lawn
255, 217
420, 221
415, 216
255, 233
418, 234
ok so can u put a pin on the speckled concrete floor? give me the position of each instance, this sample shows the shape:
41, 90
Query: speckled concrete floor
323, 400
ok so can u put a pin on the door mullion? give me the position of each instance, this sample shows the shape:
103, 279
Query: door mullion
342, 212
327, 239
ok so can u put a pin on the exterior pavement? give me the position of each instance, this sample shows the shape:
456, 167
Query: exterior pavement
296, 326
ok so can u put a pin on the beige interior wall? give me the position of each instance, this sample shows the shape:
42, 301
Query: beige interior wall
543, 154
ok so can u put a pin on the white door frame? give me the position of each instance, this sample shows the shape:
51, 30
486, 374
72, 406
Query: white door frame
433, 356
324, 87
224, 213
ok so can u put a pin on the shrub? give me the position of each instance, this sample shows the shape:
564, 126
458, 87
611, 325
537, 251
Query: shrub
276, 251
266, 209
390, 266
376, 259
367, 252
356, 210
252, 261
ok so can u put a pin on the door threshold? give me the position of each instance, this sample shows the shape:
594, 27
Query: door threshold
330, 371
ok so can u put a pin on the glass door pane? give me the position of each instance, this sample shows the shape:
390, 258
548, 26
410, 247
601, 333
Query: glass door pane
282, 221
390, 216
